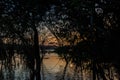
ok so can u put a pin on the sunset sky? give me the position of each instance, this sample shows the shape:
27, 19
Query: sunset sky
47, 38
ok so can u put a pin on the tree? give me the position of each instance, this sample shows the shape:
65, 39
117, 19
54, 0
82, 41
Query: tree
23, 17
96, 21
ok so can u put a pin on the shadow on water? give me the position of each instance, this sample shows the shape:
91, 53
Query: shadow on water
12, 63
14, 68
66, 65
85, 66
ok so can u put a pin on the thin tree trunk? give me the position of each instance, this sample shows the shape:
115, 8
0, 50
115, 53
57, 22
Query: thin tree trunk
36, 54
32, 75
65, 70
102, 73
94, 70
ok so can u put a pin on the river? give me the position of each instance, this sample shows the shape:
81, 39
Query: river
52, 69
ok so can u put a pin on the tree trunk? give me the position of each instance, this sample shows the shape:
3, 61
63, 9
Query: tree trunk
36, 55
94, 70
65, 70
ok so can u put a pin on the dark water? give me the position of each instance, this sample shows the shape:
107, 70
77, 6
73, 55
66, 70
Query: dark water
52, 69
14, 68
17, 69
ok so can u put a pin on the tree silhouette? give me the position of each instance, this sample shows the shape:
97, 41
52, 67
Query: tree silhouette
20, 17
97, 22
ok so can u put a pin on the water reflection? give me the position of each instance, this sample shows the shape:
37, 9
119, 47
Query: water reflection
52, 64
52, 69
15, 70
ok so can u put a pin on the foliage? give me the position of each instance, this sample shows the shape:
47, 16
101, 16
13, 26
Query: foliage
96, 22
